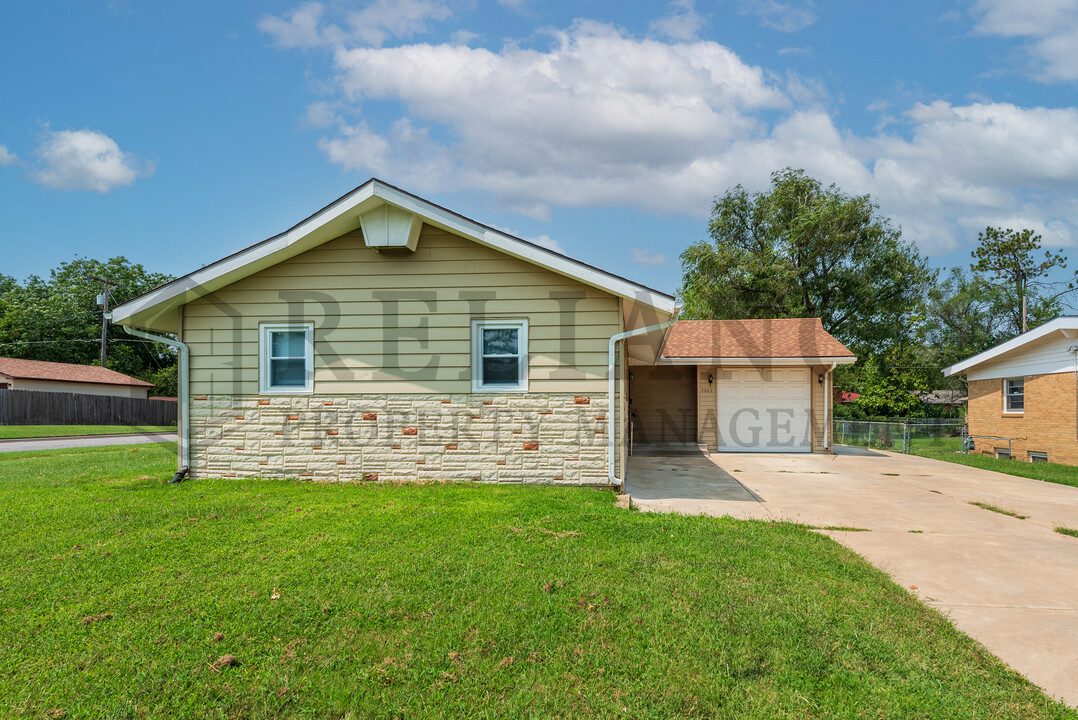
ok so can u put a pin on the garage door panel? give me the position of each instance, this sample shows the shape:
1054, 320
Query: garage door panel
762, 410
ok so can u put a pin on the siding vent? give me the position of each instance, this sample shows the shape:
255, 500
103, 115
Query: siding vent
390, 227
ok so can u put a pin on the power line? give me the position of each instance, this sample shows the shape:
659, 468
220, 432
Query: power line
73, 340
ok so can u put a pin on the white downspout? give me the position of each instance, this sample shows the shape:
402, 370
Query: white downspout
827, 409
182, 424
611, 424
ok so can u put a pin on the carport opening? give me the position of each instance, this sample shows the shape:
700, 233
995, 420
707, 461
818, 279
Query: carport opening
662, 408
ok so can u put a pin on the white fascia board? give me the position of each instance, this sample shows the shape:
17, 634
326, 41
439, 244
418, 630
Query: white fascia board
840, 360
1059, 324
245, 262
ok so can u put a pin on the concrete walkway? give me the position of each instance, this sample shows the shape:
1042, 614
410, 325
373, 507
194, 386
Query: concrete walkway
1011, 584
53, 443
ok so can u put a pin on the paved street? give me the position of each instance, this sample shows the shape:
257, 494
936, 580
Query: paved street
22, 444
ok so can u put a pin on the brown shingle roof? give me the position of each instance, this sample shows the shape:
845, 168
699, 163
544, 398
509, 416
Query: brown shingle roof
782, 338
65, 372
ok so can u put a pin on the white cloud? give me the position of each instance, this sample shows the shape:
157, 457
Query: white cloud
782, 16
601, 118
1050, 26
6, 157
595, 117
682, 22
647, 258
300, 30
85, 160
377, 21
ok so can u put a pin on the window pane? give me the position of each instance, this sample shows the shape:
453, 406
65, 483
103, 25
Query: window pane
1016, 402
288, 373
288, 343
501, 371
500, 341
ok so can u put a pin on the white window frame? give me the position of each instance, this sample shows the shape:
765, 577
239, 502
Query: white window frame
264, 348
1003, 454
521, 326
1007, 395
1041, 456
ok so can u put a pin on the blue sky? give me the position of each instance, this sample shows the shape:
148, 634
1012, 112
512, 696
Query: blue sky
176, 133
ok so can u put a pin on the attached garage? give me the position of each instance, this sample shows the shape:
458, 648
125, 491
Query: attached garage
755, 386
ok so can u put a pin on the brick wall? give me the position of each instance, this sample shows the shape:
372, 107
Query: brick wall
1046, 425
532, 438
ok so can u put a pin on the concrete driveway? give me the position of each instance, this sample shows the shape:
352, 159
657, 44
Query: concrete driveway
1011, 584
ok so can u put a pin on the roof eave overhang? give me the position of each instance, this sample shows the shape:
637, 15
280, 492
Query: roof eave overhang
732, 361
159, 309
1068, 326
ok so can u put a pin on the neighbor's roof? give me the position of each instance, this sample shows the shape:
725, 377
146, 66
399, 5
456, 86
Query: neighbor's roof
1067, 326
65, 372
943, 397
159, 308
751, 339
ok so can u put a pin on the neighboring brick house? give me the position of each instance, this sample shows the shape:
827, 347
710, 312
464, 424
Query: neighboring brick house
17, 374
1026, 391
388, 338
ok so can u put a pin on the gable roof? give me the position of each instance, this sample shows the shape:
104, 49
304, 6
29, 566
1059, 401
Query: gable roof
792, 338
1067, 326
65, 372
159, 308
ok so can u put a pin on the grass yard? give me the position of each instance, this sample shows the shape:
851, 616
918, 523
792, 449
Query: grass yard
37, 431
949, 449
119, 593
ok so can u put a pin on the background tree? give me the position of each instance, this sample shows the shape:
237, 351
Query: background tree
1010, 257
58, 319
805, 250
891, 391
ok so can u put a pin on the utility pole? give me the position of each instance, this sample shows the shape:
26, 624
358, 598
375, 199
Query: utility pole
103, 301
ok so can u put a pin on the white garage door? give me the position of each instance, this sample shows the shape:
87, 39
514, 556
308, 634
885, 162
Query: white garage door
764, 410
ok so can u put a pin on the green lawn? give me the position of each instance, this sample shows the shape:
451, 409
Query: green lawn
119, 593
949, 449
36, 431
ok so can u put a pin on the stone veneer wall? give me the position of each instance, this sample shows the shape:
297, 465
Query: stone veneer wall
519, 438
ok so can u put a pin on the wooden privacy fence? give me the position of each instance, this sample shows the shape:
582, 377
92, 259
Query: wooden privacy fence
30, 407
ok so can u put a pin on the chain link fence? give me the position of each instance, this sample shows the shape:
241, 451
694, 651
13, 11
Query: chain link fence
901, 436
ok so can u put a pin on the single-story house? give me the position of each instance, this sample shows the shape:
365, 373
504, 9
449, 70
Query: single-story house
1023, 395
386, 337
16, 374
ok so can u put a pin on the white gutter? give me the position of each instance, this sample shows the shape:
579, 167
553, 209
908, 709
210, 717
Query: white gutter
611, 425
182, 424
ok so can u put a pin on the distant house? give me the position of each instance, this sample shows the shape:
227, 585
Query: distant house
845, 396
948, 399
39, 375
1023, 395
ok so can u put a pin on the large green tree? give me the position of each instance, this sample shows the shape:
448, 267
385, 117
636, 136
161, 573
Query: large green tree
1011, 258
966, 314
57, 318
805, 250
